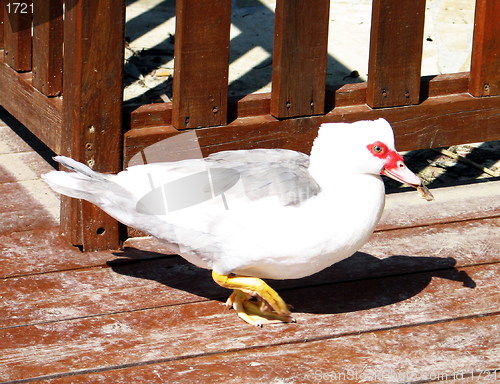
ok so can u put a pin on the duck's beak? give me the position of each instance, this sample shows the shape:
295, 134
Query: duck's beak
396, 169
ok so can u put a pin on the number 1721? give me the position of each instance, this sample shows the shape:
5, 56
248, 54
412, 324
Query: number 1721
19, 7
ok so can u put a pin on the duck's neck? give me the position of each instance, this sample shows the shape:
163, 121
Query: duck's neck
356, 198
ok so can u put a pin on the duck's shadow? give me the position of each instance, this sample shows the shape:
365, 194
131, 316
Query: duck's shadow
357, 283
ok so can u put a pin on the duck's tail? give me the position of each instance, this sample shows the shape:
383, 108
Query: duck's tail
83, 183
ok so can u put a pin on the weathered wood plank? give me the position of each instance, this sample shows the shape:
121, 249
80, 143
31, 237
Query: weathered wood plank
44, 117
441, 240
395, 59
2, 16
446, 84
95, 291
299, 58
17, 34
438, 121
174, 332
129, 286
451, 204
347, 95
149, 115
255, 104
485, 61
201, 63
43, 250
48, 46
92, 113
404, 355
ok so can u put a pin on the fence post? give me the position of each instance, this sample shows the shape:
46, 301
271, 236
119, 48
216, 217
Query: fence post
395, 61
485, 62
92, 109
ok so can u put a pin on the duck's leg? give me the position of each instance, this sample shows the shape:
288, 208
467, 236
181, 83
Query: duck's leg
269, 307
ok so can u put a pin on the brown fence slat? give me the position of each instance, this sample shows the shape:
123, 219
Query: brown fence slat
92, 109
17, 34
485, 62
395, 53
201, 63
1, 22
47, 46
299, 58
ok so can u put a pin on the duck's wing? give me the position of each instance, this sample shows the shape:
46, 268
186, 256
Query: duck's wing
269, 172
240, 176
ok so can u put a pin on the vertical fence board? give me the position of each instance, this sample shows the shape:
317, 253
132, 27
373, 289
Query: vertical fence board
47, 46
201, 63
1, 22
395, 53
92, 109
300, 58
17, 34
485, 62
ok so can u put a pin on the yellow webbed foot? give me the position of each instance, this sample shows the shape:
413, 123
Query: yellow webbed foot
255, 301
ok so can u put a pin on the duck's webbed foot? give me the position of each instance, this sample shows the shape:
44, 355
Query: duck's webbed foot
255, 301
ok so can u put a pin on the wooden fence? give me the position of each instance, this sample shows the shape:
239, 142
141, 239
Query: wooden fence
72, 100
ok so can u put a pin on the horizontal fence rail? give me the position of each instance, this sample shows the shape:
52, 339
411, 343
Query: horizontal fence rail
61, 76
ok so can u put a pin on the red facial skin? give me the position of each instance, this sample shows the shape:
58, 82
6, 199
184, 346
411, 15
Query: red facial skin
392, 157
394, 166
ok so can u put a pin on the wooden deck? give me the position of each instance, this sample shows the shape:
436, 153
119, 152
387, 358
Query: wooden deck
420, 303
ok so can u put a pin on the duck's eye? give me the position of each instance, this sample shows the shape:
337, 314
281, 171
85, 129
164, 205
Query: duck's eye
377, 149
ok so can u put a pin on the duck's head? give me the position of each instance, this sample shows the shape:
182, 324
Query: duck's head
363, 147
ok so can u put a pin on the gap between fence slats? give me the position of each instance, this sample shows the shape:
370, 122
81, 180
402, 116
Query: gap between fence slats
299, 58
200, 87
17, 36
92, 110
395, 53
48, 47
485, 61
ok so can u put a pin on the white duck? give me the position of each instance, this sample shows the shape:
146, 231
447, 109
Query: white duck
251, 214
